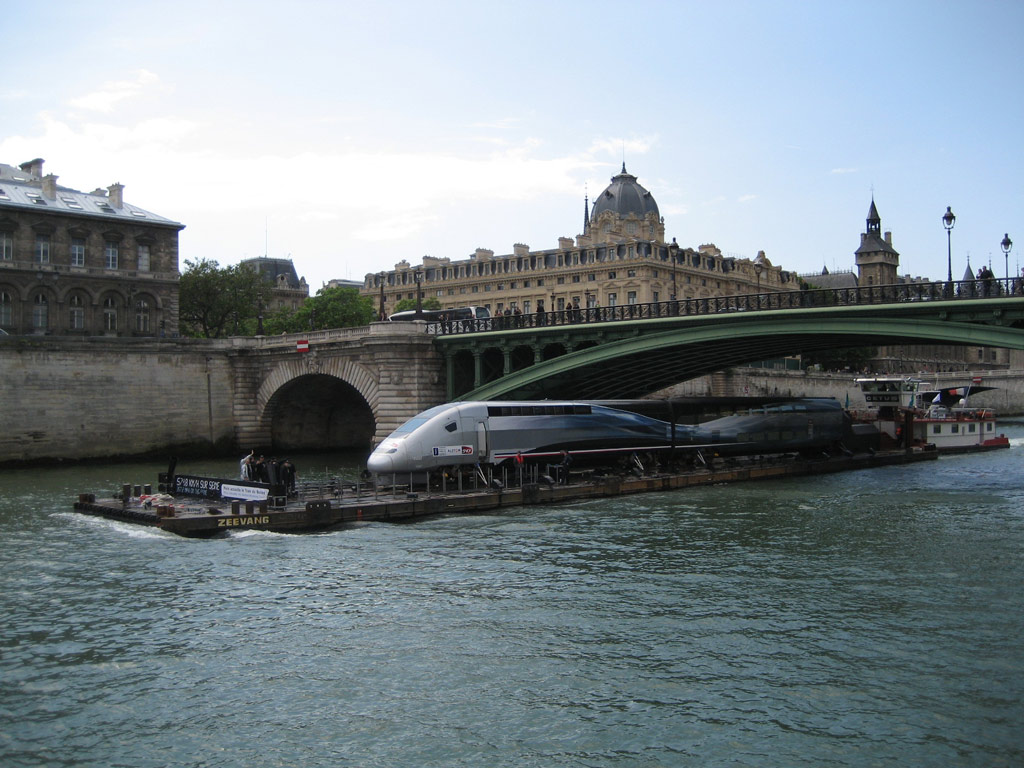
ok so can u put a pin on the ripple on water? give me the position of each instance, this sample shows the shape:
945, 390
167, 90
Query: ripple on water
854, 620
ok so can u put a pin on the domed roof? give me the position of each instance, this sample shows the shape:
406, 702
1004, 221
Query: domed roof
623, 197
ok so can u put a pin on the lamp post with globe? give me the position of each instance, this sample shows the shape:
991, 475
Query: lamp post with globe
948, 220
1006, 245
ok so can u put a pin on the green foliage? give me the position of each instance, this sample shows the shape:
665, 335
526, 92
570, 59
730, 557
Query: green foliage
338, 307
217, 301
404, 304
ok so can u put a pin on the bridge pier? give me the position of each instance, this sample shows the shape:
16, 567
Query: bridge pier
394, 367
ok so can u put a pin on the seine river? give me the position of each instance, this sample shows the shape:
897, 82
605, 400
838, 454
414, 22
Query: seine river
864, 619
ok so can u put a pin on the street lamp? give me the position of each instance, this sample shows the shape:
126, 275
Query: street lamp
551, 308
381, 277
1006, 245
418, 277
673, 253
948, 220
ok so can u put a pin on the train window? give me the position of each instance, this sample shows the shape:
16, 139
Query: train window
450, 427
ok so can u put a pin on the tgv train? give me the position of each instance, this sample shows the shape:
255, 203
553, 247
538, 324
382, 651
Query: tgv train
494, 432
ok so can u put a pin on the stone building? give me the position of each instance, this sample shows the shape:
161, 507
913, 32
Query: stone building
83, 263
620, 258
288, 291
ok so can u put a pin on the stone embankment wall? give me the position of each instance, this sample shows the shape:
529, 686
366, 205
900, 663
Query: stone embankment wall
100, 398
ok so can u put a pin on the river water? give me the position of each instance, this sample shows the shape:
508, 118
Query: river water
863, 619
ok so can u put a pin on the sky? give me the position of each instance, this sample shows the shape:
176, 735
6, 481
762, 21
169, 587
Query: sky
350, 136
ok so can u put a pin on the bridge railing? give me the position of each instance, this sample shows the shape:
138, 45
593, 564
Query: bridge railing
785, 300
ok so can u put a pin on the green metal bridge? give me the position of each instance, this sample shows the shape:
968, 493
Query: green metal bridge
633, 350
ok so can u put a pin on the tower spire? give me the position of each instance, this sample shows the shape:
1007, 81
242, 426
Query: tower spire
874, 220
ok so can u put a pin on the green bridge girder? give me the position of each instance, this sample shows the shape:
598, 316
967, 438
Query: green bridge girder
628, 359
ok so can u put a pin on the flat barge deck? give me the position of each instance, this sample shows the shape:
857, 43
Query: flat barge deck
196, 517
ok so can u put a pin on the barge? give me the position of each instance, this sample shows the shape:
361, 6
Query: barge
203, 507
903, 409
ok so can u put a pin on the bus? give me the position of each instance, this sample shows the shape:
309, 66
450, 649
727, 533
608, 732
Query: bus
433, 315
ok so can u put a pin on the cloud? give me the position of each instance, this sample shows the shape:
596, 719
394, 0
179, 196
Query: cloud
843, 170
112, 92
674, 210
746, 198
393, 228
617, 147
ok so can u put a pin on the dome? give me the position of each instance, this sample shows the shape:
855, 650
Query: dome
623, 197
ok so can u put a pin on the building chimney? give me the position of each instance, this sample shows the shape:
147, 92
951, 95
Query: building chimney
33, 167
50, 186
116, 195
888, 238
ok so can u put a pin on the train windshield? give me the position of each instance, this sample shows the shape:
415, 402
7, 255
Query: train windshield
420, 419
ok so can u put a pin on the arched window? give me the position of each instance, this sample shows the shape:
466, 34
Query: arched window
76, 313
40, 312
5, 308
142, 316
109, 315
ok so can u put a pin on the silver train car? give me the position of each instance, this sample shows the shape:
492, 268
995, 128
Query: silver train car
468, 433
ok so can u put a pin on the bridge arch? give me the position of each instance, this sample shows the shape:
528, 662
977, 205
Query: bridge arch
314, 403
637, 365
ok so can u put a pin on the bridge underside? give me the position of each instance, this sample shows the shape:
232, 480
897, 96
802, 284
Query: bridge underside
317, 412
638, 365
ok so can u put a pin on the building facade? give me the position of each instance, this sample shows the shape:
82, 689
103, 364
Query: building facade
288, 290
83, 264
620, 258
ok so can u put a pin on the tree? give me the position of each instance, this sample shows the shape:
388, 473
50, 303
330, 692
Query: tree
217, 301
337, 307
404, 304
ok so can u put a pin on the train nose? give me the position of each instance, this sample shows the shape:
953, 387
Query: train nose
379, 463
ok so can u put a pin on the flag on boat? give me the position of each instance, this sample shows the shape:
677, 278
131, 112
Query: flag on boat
302, 346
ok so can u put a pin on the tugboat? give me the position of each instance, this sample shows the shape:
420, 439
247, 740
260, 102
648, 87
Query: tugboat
902, 407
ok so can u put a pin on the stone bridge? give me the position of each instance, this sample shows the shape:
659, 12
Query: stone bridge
349, 388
